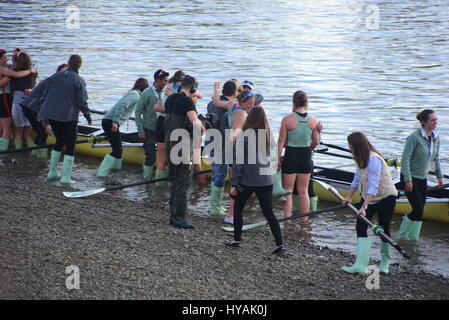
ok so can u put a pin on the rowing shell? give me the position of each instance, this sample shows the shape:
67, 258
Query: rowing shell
133, 153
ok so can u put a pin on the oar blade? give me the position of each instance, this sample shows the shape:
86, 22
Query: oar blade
81, 194
247, 227
228, 229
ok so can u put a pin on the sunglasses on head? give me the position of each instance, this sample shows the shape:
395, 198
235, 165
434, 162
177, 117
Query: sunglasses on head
247, 96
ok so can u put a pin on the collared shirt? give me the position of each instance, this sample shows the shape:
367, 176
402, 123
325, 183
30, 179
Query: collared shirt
146, 117
374, 171
418, 154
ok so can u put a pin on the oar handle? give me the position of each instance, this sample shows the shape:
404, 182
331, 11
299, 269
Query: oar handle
47, 146
311, 213
104, 112
149, 181
382, 234
335, 147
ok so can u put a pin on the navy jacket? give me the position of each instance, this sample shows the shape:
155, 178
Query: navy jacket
65, 96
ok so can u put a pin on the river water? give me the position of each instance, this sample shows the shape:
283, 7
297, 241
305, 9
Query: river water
366, 65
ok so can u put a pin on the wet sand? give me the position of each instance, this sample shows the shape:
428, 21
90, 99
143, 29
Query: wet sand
127, 250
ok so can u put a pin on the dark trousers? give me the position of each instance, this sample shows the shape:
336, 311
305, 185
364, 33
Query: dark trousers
178, 177
417, 197
384, 209
38, 126
264, 196
65, 133
113, 137
149, 145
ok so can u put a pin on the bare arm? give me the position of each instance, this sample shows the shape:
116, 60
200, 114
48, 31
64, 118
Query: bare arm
4, 81
313, 124
282, 138
14, 74
216, 98
237, 124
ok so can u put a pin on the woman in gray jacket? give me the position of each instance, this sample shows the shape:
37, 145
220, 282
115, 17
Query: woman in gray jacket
251, 172
65, 96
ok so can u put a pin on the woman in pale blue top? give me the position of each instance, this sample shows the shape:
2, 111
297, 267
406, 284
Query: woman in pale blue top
111, 125
378, 192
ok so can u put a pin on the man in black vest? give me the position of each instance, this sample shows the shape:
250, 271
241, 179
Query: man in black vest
181, 119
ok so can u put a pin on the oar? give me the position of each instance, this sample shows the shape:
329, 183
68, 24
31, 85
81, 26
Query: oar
93, 139
86, 193
376, 229
104, 112
335, 147
295, 216
390, 162
444, 186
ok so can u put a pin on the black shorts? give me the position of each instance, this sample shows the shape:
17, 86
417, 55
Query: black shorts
160, 129
5, 109
297, 160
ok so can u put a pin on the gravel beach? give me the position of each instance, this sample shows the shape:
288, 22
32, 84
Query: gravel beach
127, 250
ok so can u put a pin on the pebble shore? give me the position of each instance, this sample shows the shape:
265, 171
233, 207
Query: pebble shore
127, 250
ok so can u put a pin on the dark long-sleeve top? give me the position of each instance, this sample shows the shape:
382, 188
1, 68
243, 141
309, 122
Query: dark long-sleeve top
250, 168
65, 96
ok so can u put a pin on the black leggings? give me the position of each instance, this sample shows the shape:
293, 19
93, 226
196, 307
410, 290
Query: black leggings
65, 133
264, 197
38, 126
113, 137
417, 197
384, 209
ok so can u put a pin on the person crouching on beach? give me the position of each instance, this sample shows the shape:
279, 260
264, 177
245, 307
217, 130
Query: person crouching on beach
378, 196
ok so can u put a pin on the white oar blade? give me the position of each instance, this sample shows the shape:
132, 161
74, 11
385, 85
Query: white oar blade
81, 194
228, 229
247, 227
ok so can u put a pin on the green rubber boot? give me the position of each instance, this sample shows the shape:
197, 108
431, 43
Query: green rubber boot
67, 167
404, 229
313, 203
106, 165
278, 190
415, 230
161, 173
42, 153
385, 250
18, 144
363, 257
295, 203
4, 144
31, 144
147, 172
216, 194
117, 165
54, 159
